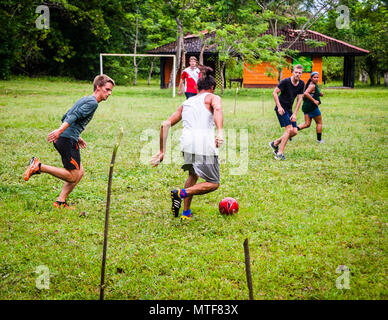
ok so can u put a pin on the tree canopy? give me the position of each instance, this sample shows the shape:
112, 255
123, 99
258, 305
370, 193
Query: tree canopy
80, 30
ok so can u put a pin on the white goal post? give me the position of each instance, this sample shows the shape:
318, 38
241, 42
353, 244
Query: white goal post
144, 55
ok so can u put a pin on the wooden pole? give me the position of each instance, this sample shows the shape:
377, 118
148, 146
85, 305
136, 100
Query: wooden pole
235, 101
248, 268
102, 284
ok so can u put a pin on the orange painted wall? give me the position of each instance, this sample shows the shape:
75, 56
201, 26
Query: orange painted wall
255, 75
167, 72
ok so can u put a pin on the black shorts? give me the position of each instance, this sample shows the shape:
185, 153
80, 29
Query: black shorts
69, 151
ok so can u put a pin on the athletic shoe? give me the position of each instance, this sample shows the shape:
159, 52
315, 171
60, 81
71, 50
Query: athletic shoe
33, 168
58, 204
320, 141
175, 202
188, 217
280, 157
274, 148
290, 139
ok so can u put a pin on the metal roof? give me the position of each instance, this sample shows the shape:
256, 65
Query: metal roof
333, 47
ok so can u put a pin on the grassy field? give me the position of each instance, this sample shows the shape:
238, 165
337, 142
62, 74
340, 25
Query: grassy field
325, 206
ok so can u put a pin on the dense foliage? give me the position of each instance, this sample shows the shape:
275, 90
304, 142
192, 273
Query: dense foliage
80, 30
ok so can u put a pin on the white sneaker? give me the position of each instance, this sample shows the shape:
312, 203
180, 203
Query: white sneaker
280, 157
320, 141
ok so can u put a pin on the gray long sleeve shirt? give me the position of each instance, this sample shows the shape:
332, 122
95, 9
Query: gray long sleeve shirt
79, 116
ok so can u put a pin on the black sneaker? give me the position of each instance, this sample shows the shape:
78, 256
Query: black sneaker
280, 157
274, 148
175, 202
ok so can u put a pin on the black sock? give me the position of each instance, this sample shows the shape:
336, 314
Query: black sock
319, 136
298, 128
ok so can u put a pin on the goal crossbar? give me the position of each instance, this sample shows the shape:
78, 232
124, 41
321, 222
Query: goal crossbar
143, 55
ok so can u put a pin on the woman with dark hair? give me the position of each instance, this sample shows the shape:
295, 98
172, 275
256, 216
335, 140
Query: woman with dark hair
311, 101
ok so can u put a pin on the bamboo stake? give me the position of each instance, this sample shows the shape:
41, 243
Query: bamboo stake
102, 284
248, 268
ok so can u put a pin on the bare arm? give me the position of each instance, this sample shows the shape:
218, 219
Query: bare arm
298, 103
82, 143
180, 87
218, 119
54, 135
276, 98
308, 95
165, 127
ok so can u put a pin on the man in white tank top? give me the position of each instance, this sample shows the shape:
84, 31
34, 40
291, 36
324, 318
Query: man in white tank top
200, 115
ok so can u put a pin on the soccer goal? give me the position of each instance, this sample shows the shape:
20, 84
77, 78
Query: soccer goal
142, 55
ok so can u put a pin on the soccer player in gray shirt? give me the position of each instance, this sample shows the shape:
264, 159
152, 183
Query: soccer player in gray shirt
67, 140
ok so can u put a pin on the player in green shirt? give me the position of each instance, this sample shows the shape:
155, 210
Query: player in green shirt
312, 99
67, 140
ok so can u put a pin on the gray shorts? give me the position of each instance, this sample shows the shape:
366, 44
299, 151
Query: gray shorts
205, 167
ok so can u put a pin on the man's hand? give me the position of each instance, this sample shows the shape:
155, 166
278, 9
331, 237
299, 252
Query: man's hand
157, 158
53, 136
281, 111
293, 117
316, 102
219, 141
81, 143
179, 92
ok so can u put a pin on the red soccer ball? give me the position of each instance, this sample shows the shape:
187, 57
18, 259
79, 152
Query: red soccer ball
228, 206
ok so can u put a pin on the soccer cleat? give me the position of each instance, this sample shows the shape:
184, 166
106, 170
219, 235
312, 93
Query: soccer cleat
58, 204
175, 202
188, 217
280, 157
274, 148
33, 168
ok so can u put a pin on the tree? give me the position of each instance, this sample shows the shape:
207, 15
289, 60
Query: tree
243, 41
299, 15
368, 28
184, 12
79, 31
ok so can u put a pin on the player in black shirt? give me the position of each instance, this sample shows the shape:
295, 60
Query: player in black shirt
290, 88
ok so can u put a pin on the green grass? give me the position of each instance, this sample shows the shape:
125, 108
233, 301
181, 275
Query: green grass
324, 207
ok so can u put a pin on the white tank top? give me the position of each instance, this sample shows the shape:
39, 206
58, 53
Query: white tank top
198, 127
